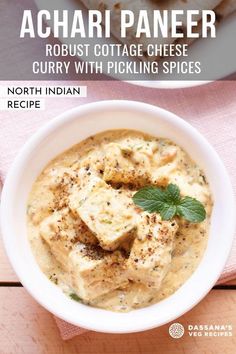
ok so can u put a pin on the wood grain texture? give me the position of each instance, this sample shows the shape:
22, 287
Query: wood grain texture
231, 282
26, 328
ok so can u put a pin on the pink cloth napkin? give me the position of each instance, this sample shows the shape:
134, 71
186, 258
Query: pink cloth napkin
210, 108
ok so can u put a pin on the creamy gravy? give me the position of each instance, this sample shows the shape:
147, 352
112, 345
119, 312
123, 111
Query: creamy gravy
166, 163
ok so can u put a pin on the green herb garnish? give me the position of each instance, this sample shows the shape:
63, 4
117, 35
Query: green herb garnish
75, 297
106, 221
168, 203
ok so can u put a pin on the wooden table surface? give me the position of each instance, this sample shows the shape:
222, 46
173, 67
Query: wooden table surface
26, 327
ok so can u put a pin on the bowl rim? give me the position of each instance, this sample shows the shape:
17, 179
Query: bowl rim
58, 122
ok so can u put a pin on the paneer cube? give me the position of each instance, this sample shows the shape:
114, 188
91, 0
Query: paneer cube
161, 176
95, 272
107, 212
168, 155
123, 165
150, 255
60, 176
139, 146
61, 232
165, 164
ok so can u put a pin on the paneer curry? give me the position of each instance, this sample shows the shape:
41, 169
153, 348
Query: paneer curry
92, 241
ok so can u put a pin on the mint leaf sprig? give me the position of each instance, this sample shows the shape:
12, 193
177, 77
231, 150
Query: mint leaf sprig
168, 203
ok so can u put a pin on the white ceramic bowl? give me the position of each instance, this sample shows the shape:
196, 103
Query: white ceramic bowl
67, 130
